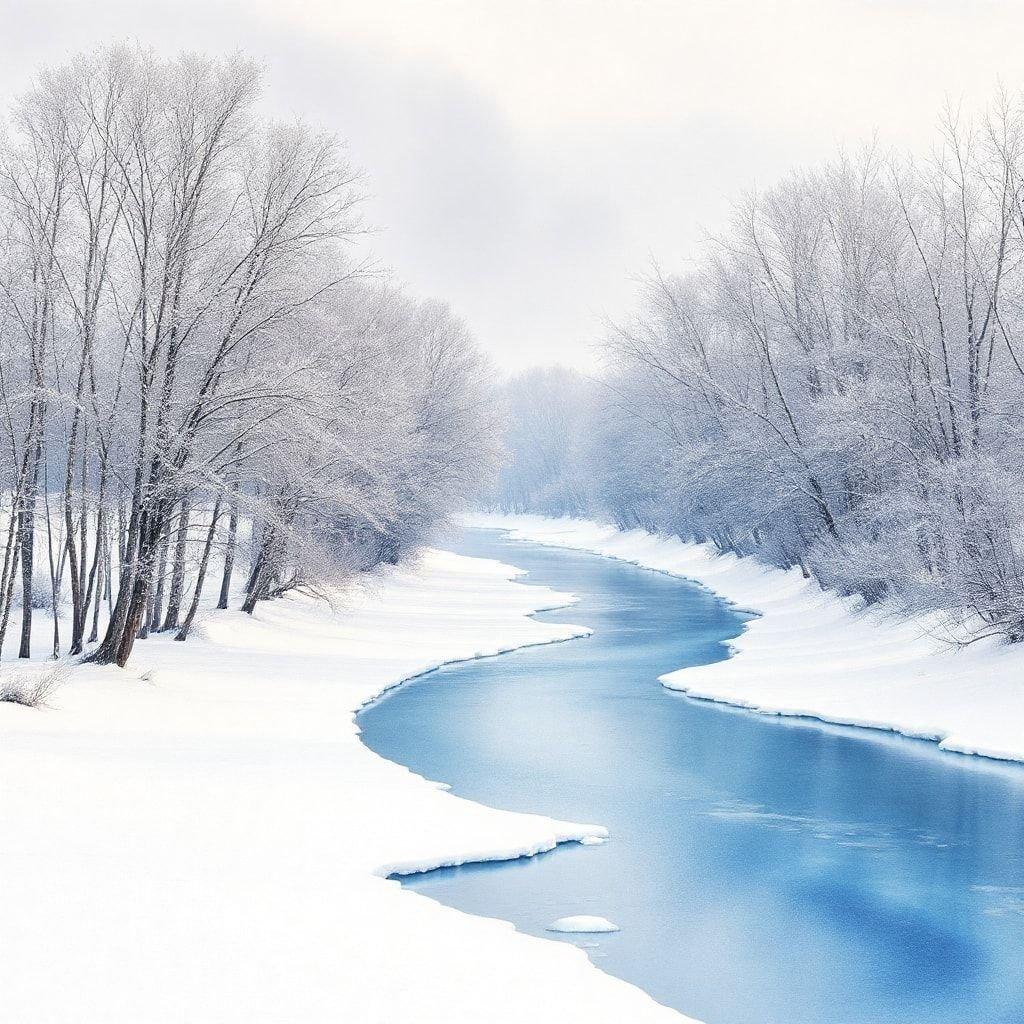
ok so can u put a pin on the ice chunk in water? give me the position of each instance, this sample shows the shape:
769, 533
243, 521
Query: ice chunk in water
582, 923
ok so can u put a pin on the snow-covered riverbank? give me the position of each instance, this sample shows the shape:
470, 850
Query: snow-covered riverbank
812, 653
204, 838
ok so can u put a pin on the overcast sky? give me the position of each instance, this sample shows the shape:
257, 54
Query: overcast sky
526, 157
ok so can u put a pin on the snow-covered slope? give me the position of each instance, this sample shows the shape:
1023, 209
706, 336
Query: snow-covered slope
813, 653
203, 837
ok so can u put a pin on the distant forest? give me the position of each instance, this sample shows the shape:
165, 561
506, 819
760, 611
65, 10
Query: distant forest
838, 386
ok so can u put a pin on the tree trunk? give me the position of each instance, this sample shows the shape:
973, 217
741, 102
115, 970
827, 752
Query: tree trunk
70, 541
229, 553
8, 597
130, 553
10, 570
27, 523
156, 608
197, 593
259, 577
56, 574
98, 576
136, 601
94, 581
178, 572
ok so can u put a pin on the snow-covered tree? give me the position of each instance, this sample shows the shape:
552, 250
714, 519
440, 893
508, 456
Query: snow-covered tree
836, 386
195, 364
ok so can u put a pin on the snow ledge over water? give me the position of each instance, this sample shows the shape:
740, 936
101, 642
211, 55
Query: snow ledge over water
814, 654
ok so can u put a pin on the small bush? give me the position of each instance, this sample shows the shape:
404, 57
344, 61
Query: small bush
30, 689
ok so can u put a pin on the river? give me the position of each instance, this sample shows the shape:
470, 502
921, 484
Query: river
762, 870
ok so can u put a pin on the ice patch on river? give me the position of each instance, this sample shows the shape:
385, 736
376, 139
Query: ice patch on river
584, 923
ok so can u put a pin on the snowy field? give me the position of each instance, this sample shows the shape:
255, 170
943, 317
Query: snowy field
815, 654
203, 837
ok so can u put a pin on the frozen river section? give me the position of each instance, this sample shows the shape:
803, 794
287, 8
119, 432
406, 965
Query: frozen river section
760, 870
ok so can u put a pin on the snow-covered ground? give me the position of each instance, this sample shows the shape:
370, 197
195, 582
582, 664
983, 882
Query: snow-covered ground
815, 654
203, 837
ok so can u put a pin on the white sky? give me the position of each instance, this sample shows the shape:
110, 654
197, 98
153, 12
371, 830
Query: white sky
526, 157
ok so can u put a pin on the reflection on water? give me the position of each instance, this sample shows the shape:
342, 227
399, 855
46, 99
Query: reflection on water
763, 870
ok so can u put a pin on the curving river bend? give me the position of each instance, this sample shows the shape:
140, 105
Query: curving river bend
763, 870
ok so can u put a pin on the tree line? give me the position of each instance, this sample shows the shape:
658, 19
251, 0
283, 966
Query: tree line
197, 368
836, 385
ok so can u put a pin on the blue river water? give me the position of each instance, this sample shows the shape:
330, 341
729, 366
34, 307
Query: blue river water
762, 870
